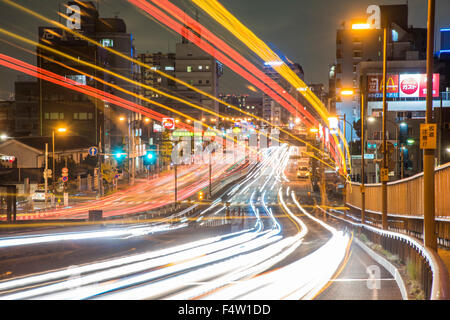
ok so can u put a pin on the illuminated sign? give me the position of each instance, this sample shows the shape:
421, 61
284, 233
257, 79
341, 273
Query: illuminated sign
273, 63
415, 85
375, 86
192, 134
374, 20
7, 158
168, 123
401, 86
157, 128
73, 17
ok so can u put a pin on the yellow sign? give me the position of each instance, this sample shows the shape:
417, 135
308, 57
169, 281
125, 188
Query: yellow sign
384, 174
428, 135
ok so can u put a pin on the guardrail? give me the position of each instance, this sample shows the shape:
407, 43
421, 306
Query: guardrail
405, 197
431, 271
405, 204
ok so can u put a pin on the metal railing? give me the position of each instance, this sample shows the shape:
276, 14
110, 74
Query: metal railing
431, 272
405, 197
405, 204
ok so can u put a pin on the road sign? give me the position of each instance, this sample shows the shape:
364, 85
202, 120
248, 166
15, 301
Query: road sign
64, 170
428, 136
168, 123
93, 151
65, 178
384, 174
48, 173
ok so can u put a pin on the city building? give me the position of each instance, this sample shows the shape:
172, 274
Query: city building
201, 70
103, 124
274, 112
248, 104
26, 106
361, 40
7, 123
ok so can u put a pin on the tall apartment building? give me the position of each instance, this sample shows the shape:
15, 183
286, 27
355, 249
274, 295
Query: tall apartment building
356, 44
85, 116
248, 104
198, 69
26, 107
272, 110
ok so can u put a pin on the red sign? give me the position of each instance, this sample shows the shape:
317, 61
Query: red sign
415, 85
168, 123
392, 83
423, 86
409, 86
375, 86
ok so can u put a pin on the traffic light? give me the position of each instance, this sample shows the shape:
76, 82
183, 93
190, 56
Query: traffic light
150, 158
201, 196
119, 155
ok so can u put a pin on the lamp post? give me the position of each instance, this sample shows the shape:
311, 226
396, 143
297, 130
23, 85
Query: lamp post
61, 130
131, 147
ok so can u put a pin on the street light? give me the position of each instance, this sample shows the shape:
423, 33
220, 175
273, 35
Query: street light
347, 92
60, 130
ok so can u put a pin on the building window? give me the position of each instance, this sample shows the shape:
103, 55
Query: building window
207, 81
394, 36
189, 69
54, 116
207, 67
357, 54
200, 81
107, 42
82, 116
80, 79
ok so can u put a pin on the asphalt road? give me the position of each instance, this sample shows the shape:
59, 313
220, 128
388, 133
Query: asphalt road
272, 248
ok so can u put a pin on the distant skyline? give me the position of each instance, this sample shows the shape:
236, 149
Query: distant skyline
304, 31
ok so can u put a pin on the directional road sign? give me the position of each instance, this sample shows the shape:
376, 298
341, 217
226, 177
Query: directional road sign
93, 151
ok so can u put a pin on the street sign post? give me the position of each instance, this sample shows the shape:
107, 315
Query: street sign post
428, 137
93, 151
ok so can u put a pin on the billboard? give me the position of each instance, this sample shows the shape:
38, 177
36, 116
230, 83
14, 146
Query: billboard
401, 86
415, 85
375, 86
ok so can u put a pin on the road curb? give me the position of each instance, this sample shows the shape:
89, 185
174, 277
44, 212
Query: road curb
387, 265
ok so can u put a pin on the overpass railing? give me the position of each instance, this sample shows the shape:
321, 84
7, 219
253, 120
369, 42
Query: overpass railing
405, 204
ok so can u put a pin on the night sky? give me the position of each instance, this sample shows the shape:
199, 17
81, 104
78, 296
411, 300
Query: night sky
303, 30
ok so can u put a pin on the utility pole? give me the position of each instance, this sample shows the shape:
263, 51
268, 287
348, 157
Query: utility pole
46, 175
428, 154
210, 181
384, 175
363, 190
176, 184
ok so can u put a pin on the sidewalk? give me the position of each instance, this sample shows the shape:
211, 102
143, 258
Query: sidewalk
445, 256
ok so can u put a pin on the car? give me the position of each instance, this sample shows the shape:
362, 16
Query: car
303, 172
39, 195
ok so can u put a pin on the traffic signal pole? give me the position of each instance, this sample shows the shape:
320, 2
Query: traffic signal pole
428, 154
